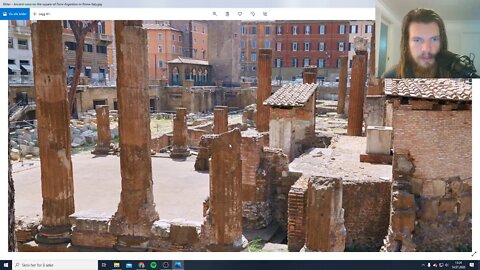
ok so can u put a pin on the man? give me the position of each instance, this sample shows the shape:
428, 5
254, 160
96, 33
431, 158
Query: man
424, 40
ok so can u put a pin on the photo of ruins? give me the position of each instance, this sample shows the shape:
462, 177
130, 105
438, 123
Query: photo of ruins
230, 136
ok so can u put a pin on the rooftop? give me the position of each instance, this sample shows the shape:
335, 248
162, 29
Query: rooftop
182, 60
159, 27
442, 89
291, 95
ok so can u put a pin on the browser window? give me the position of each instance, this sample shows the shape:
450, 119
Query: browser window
188, 135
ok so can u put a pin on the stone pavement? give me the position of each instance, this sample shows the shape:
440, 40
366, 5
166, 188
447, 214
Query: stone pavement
178, 189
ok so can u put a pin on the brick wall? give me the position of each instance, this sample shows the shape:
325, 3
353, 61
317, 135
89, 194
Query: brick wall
433, 165
440, 142
367, 213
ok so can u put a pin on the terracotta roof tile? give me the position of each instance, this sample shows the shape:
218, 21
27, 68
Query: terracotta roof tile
291, 95
444, 89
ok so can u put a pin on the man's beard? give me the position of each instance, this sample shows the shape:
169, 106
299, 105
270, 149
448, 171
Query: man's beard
423, 72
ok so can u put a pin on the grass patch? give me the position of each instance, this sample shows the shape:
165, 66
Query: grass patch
256, 245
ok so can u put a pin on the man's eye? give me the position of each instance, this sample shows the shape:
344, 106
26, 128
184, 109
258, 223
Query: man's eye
435, 39
417, 40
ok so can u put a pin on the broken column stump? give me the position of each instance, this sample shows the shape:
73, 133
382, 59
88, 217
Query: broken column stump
180, 135
103, 131
53, 118
357, 96
202, 163
264, 89
325, 229
136, 211
220, 119
222, 229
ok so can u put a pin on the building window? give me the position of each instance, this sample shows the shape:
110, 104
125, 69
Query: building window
254, 56
10, 42
350, 63
160, 64
306, 61
350, 47
353, 29
25, 67
279, 46
203, 42
368, 28
321, 62
254, 44
203, 29
194, 28
307, 29
279, 30
173, 37
242, 56
204, 55
306, 46
72, 46
180, 38
160, 48
278, 62
294, 46
66, 25
254, 30
244, 30
341, 46
242, 44
88, 48
23, 44
294, 62
321, 46
101, 49
195, 54
321, 30
159, 36
338, 62
267, 43
267, 30
173, 49
194, 41
294, 30
341, 29
88, 71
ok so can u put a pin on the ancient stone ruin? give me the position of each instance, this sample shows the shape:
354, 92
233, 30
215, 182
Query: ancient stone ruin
390, 171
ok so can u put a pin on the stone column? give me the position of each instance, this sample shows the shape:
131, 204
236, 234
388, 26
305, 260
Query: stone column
342, 84
103, 130
371, 60
54, 140
357, 89
325, 229
220, 119
180, 135
136, 211
223, 225
264, 88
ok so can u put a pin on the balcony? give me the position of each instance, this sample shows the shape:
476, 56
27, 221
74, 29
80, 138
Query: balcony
22, 31
104, 37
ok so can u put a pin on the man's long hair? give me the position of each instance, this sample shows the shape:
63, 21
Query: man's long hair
418, 15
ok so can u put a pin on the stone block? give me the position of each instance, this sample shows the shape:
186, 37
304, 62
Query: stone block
438, 188
184, 234
90, 221
161, 228
429, 209
379, 139
93, 239
417, 185
448, 207
465, 205
403, 164
403, 220
403, 200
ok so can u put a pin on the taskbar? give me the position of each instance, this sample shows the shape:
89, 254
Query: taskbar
243, 265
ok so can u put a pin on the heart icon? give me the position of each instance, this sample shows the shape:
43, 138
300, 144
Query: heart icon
239, 13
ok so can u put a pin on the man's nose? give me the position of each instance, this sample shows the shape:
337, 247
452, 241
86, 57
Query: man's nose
426, 46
